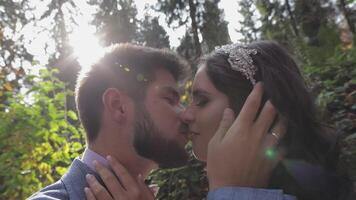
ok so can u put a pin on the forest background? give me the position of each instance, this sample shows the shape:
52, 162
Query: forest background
39, 129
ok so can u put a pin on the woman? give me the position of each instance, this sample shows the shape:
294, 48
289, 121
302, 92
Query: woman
226, 77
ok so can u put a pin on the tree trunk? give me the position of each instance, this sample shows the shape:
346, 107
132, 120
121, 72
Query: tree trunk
347, 15
292, 19
192, 12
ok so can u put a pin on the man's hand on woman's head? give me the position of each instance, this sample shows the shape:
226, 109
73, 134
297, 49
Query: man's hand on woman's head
243, 152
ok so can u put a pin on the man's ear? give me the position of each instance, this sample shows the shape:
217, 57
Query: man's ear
114, 103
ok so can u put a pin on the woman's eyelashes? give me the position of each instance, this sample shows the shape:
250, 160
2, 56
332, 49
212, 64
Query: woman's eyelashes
200, 101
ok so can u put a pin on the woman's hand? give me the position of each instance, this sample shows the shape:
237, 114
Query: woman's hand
127, 188
243, 152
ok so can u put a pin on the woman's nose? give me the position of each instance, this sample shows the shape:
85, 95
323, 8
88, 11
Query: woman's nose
187, 115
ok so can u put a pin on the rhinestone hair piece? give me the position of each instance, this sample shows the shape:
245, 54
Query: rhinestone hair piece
240, 59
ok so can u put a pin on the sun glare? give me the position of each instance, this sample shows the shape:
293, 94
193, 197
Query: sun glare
85, 45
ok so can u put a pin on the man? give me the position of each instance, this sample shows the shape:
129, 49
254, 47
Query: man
128, 103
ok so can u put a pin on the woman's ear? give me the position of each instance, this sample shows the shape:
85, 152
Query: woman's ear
114, 104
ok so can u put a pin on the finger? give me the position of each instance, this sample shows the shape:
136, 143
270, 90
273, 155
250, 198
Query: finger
270, 163
225, 123
281, 154
147, 192
280, 128
271, 151
89, 194
265, 119
249, 110
270, 147
110, 180
127, 181
277, 133
154, 190
97, 189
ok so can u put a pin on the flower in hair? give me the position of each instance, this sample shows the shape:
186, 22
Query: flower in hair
240, 59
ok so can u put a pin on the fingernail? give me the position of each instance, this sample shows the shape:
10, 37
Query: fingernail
86, 190
109, 158
140, 178
258, 84
89, 177
228, 111
95, 163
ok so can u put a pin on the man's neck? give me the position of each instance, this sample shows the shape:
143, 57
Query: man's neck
127, 156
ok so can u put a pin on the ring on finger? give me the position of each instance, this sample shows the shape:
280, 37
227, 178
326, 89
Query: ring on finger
276, 135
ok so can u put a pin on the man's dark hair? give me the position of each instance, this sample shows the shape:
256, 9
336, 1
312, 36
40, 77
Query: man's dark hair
127, 67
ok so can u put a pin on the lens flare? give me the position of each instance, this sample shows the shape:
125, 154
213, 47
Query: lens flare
86, 45
270, 153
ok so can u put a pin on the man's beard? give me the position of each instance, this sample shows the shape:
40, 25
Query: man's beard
150, 143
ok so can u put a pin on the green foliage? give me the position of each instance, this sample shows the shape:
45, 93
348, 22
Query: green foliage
13, 51
335, 80
176, 11
203, 19
184, 12
214, 28
186, 47
37, 142
56, 11
188, 182
115, 20
152, 34
248, 25
65, 14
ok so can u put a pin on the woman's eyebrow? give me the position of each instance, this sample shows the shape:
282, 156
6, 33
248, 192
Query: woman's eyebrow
200, 92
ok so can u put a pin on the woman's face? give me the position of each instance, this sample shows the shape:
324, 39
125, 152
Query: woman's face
204, 113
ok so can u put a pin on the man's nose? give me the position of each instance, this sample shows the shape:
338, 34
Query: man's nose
179, 108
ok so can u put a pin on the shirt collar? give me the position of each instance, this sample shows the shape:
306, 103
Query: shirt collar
89, 156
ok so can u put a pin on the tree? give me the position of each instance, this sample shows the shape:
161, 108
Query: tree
214, 28
349, 13
304, 27
182, 12
186, 47
115, 20
291, 20
37, 143
153, 34
13, 53
203, 19
248, 27
310, 15
63, 58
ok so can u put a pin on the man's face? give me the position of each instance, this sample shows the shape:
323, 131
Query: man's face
159, 132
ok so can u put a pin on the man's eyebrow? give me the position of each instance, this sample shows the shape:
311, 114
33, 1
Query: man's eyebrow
173, 90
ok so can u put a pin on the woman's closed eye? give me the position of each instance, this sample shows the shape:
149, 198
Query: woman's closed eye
200, 101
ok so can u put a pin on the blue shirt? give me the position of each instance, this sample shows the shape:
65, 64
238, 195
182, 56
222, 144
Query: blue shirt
89, 156
244, 193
